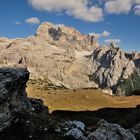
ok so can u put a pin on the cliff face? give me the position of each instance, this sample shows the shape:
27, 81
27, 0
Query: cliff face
61, 56
19, 115
112, 68
66, 37
13, 98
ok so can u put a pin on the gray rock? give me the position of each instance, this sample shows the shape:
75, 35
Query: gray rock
136, 131
13, 98
103, 130
77, 124
75, 133
72, 130
109, 131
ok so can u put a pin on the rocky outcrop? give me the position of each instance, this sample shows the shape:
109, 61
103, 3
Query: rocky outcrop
136, 131
64, 37
103, 130
14, 104
60, 56
71, 129
112, 67
110, 131
13, 98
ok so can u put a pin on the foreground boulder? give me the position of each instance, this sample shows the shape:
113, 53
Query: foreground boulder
13, 98
72, 130
136, 131
76, 130
108, 131
14, 104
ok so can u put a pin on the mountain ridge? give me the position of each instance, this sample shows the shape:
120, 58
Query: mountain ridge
62, 56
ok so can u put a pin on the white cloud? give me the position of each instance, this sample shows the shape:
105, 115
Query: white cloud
79, 9
116, 41
96, 35
106, 34
17, 22
99, 35
86, 9
32, 20
118, 6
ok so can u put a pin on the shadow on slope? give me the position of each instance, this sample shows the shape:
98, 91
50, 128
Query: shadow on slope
126, 117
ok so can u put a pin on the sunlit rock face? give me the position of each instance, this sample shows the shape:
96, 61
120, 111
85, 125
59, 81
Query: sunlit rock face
112, 67
66, 37
61, 56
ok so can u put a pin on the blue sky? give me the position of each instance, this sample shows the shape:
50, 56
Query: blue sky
122, 22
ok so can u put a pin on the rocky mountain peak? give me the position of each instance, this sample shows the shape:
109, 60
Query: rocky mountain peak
64, 35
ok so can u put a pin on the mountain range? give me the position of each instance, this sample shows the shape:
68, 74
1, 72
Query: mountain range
60, 56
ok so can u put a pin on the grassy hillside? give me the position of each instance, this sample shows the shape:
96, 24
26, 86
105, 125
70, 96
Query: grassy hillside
80, 100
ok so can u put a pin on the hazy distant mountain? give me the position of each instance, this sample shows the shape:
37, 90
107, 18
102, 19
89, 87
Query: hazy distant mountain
60, 56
